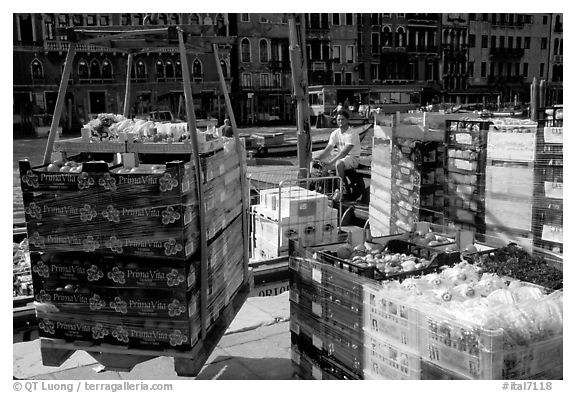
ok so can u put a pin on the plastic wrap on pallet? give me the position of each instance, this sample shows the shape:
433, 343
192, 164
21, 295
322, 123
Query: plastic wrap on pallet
478, 327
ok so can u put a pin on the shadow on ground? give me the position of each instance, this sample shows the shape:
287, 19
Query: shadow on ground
242, 368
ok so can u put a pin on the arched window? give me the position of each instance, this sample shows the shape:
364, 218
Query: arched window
224, 68
95, 72
83, 69
169, 69
37, 70
159, 69
263, 51
194, 19
197, 69
106, 69
387, 36
208, 20
78, 20
178, 69
220, 25
558, 24
140, 69
400, 37
174, 19
245, 50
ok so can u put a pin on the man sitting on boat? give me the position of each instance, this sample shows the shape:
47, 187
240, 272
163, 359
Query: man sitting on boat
347, 142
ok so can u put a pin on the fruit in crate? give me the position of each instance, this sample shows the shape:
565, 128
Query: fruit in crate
429, 239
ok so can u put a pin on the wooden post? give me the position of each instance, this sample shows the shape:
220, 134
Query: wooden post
534, 100
59, 102
241, 157
128, 82
300, 83
195, 159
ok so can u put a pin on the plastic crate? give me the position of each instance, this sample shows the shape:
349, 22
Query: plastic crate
389, 319
385, 360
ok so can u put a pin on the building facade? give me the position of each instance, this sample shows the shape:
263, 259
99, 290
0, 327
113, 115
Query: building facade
457, 58
98, 78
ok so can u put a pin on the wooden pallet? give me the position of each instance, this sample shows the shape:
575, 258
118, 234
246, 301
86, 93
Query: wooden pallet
119, 358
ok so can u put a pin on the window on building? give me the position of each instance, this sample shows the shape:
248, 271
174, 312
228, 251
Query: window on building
430, 71
336, 53
471, 16
245, 50
104, 20
500, 68
348, 78
337, 78
558, 24
519, 42
325, 52
263, 51
336, 19
194, 19
483, 69
544, 19
126, 20
82, 69
95, 69
49, 24
90, 19
37, 70
178, 69
309, 51
197, 69
386, 36
349, 19
374, 72
484, 41
374, 19
174, 19
526, 42
472, 40
349, 53
517, 69
400, 37
494, 19
361, 73
387, 15
561, 46
541, 70
525, 70
169, 69
375, 43
106, 69
491, 68
159, 69
246, 80
140, 69
245, 17
509, 69
484, 17
493, 41
543, 43
264, 80
471, 69
78, 20
502, 40
510, 42
401, 15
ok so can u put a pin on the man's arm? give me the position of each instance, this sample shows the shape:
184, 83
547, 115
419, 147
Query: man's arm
341, 154
324, 153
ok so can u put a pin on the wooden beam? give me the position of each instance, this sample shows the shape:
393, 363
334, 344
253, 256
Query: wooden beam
195, 159
59, 102
128, 82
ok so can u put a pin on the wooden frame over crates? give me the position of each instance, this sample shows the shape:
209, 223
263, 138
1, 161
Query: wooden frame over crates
143, 39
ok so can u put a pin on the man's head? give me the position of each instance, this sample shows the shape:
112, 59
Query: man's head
226, 122
342, 118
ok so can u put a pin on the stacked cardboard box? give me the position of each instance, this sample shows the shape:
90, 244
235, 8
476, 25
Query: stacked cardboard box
115, 250
291, 212
510, 180
548, 224
407, 174
465, 163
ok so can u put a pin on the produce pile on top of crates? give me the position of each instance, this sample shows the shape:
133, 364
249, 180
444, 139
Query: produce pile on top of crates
114, 127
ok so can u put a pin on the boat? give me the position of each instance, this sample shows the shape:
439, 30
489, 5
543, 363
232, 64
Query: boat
287, 145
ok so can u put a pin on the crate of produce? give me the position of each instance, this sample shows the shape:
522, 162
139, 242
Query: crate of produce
467, 133
385, 360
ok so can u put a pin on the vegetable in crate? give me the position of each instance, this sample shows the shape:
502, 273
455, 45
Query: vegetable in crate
514, 262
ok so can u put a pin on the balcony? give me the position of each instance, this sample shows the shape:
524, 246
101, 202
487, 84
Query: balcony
557, 59
508, 53
318, 66
62, 46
